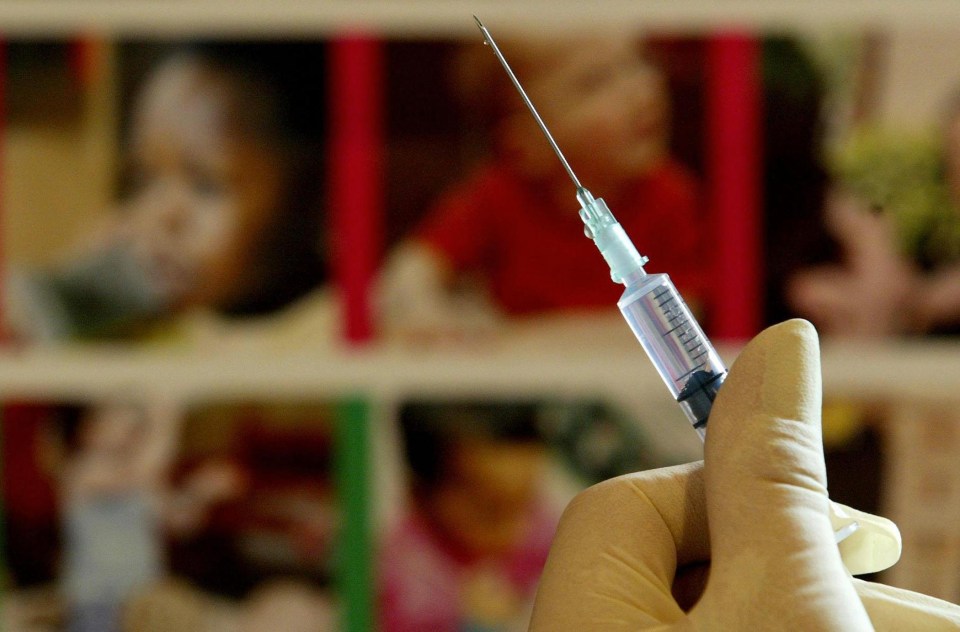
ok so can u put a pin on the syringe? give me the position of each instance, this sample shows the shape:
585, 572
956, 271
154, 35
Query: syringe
651, 305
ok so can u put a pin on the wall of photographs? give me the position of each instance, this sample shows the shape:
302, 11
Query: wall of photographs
201, 211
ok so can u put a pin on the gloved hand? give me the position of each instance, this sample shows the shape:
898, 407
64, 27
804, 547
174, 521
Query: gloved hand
632, 553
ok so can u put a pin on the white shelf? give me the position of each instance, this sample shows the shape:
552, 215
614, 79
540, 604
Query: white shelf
166, 18
97, 372
920, 372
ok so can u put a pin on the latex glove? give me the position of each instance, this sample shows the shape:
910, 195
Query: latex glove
631, 553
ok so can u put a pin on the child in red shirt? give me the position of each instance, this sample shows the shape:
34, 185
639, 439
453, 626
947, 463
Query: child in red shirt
513, 224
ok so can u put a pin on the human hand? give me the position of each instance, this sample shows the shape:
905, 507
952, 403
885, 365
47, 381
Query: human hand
868, 295
418, 304
633, 552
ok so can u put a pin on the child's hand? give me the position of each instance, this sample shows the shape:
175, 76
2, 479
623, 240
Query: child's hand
417, 304
632, 553
868, 295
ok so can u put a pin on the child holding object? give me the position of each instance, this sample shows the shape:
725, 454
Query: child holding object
220, 203
512, 224
118, 505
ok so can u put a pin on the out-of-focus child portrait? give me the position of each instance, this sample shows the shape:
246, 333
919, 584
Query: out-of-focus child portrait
195, 436
117, 506
215, 517
111, 493
471, 547
508, 230
494, 239
219, 204
895, 215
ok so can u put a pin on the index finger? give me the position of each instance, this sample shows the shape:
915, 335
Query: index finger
617, 549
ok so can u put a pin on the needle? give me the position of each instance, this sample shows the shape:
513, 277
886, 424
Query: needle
488, 39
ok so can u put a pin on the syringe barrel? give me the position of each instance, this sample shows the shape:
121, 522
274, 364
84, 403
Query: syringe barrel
671, 336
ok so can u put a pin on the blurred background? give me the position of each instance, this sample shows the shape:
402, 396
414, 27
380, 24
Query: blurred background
301, 330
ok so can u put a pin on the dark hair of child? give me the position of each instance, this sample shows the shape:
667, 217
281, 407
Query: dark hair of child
281, 88
432, 430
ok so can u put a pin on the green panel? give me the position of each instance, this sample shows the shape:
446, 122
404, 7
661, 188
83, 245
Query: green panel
355, 561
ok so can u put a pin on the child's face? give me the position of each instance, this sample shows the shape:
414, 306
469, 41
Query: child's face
112, 430
485, 501
606, 107
203, 190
